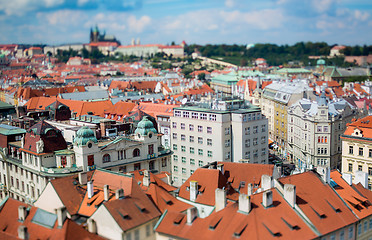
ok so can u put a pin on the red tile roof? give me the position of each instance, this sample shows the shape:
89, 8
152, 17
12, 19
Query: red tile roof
320, 205
364, 124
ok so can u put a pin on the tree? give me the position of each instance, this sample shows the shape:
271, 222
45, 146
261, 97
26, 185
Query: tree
201, 76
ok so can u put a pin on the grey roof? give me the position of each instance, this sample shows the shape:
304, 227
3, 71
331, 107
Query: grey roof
284, 90
334, 107
85, 96
10, 130
44, 218
137, 97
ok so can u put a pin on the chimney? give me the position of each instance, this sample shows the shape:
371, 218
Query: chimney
290, 194
266, 182
220, 167
348, 178
325, 173
83, 178
244, 203
90, 189
267, 198
361, 177
146, 178
61, 216
193, 190
92, 227
22, 213
119, 194
191, 214
250, 189
220, 199
106, 192
22, 232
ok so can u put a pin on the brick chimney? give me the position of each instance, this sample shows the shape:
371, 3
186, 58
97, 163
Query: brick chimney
267, 198
244, 203
193, 190
220, 199
22, 213
22, 232
191, 214
119, 194
106, 192
266, 182
61, 216
290, 194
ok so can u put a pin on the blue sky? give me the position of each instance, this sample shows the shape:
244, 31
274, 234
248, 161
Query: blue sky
195, 21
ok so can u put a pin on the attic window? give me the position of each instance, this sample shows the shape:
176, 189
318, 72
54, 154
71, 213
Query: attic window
178, 219
320, 215
240, 229
123, 214
337, 210
140, 206
168, 202
213, 224
292, 227
277, 234
242, 184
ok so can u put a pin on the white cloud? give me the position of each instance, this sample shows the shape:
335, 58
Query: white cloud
229, 3
21, 7
362, 16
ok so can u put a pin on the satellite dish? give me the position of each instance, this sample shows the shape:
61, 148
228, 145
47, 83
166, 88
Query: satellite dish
184, 101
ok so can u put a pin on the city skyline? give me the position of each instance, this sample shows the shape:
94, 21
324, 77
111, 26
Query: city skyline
163, 21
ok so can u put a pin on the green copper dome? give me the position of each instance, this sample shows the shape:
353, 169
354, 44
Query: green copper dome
320, 62
83, 135
145, 126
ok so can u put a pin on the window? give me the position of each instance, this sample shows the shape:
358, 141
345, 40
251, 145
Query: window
106, 158
183, 137
191, 139
175, 168
227, 143
174, 125
151, 165
203, 116
255, 153
136, 152
359, 229
90, 160
164, 162
342, 235
195, 115
370, 153
148, 232
212, 117
177, 113
247, 155
151, 149
200, 140
200, 128
209, 130
183, 159
254, 141
350, 167
332, 237
182, 126
319, 129
201, 163
191, 172
183, 148
209, 142
227, 131
351, 231
183, 170
174, 135
200, 152
370, 171
351, 150
137, 166
191, 127
210, 154
360, 168
227, 155
63, 161
365, 226
263, 151
186, 114
192, 161
247, 130
263, 140
174, 146
325, 129
360, 151
263, 128
255, 129
175, 158
370, 223
192, 150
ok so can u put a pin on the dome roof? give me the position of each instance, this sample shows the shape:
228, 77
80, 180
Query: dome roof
145, 126
83, 135
320, 62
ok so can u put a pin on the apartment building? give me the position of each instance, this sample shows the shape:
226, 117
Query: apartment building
357, 149
314, 130
226, 130
276, 98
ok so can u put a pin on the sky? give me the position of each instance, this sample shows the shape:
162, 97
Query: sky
55, 22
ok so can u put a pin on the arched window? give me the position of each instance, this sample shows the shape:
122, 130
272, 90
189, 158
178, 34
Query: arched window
318, 139
325, 139
136, 152
106, 158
